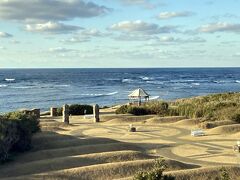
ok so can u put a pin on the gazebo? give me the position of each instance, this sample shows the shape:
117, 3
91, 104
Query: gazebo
138, 95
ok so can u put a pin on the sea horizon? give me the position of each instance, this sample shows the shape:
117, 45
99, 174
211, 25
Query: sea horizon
3, 68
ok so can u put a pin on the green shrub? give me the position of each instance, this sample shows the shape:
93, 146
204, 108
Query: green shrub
153, 107
59, 111
77, 109
224, 175
156, 173
122, 109
236, 117
158, 107
172, 111
16, 130
29, 122
138, 111
210, 107
8, 137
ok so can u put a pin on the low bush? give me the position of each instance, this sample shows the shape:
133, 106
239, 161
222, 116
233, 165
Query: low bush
122, 109
236, 117
158, 107
224, 175
154, 107
156, 173
138, 111
77, 109
59, 111
16, 130
215, 107
225, 106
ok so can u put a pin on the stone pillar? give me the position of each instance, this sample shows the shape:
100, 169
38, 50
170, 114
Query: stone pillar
65, 114
36, 112
96, 113
53, 112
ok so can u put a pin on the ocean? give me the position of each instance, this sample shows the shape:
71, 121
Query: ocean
44, 88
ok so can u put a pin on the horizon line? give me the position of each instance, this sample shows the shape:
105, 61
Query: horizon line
200, 67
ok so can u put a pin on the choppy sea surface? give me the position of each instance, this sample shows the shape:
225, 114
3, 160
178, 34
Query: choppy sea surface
43, 88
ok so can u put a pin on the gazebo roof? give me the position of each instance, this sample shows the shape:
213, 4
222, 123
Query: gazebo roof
138, 93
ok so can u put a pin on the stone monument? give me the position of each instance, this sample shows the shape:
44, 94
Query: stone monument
96, 113
53, 112
65, 114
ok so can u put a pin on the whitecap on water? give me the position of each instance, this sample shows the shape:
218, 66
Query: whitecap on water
3, 85
127, 80
154, 97
154, 82
62, 85
112, 93
196, 84
9, 79
99, 95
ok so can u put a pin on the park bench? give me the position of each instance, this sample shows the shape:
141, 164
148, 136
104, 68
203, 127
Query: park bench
197, 132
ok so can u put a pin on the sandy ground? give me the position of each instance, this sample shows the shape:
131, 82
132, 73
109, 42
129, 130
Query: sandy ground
170, 140
107, 150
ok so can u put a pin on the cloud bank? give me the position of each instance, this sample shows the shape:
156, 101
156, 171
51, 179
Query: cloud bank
141, 27
49, 10
220, 27
52, 27
169, 15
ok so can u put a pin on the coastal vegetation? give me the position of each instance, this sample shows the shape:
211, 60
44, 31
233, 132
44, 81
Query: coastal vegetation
224, 106
154, 107
16, 130
155, 173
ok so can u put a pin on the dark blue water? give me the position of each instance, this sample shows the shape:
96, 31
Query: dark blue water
43, 88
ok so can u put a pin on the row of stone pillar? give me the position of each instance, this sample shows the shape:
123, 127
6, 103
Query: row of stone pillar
66, 114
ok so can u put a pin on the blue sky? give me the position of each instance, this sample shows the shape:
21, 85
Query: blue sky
119, 33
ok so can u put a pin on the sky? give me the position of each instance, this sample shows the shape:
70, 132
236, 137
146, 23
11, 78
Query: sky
119, 33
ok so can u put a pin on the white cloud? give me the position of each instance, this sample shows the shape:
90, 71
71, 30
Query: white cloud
15, 42
91, 32
49, 10
144, 3
76, 40
60, 50
220, 27
166, 39
134, 37
236, 55
172, 40
85, 36
52, 27
169, 15
5, 35
141, 27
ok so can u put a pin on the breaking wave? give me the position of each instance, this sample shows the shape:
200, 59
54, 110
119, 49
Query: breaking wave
3, 85
100, 95
154, 97
9, 79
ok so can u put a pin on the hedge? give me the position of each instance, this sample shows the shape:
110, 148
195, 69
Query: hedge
16, 130
154, 107
77, 109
